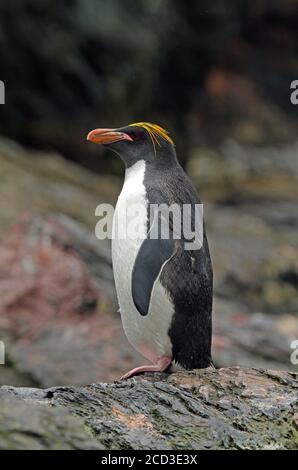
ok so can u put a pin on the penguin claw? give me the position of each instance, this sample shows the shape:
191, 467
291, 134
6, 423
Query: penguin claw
162, 364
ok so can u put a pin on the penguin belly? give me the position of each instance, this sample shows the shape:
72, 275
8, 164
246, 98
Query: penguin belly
147, 334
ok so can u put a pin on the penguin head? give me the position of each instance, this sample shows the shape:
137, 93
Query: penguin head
138, 141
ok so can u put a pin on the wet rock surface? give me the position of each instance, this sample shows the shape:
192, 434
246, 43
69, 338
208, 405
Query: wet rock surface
230, 408
27, 426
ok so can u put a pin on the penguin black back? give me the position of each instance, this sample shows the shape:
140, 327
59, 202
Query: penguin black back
188, 275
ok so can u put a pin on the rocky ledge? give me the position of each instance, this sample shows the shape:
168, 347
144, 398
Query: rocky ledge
230, 408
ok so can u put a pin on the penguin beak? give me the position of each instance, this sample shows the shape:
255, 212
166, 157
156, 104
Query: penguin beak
107, 136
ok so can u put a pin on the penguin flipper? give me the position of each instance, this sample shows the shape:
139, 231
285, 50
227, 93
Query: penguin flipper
152, 256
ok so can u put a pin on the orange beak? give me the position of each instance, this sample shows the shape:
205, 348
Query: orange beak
107, 136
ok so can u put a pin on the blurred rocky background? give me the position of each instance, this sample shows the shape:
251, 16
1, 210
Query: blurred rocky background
217, 75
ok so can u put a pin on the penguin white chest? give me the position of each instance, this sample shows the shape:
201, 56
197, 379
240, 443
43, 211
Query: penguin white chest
148, 334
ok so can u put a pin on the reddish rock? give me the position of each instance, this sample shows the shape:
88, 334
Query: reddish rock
60, 322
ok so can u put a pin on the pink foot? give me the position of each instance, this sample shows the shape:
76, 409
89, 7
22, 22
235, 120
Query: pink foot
161, 365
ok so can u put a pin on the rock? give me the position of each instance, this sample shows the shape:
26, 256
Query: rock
61, 194
37, 427
252, 339
47, 182
254, 250
58, 305
250, 205
230, 408
236, 173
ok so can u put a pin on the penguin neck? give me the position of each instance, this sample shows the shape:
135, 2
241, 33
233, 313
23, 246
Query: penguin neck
163, 158
135, 173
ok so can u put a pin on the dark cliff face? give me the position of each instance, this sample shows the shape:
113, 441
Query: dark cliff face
205, 72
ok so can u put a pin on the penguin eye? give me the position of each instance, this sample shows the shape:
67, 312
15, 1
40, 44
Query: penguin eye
135, 136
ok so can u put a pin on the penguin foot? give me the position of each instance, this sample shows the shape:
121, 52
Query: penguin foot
161, 365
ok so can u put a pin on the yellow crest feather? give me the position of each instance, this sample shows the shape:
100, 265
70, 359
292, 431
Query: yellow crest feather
154, 132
